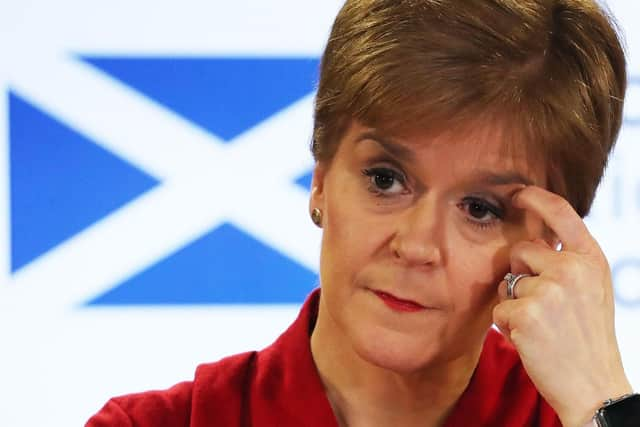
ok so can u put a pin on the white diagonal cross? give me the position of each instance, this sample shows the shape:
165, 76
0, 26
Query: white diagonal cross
203, 183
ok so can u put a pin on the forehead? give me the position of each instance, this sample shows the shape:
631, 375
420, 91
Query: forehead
481, 151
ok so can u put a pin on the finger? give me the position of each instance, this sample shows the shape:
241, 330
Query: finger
503, 314
504, 333
544, 243
532, 258
558, 215
524, 287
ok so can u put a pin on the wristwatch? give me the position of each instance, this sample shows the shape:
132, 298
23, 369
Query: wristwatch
621, 412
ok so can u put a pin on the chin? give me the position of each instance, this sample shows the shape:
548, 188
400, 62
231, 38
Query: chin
395, 351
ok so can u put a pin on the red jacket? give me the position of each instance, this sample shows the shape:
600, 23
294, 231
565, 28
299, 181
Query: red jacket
279, 386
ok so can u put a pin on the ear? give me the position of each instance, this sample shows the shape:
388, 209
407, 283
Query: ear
317, 187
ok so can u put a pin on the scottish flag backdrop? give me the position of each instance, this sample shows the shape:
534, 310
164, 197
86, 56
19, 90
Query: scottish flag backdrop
154, 172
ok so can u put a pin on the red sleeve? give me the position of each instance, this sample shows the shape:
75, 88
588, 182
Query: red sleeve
111, 415
548, 417
151, 409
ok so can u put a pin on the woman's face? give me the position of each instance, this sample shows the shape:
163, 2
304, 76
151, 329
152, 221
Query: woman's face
417, 232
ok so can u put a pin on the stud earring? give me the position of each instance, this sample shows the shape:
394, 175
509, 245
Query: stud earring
316, 217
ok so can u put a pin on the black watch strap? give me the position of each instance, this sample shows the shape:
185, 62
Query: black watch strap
622, 412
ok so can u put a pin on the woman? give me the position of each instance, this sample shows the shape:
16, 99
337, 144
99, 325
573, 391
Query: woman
455, 142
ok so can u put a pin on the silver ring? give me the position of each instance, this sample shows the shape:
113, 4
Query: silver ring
512, 280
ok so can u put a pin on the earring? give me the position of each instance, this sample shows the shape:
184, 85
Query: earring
316, 217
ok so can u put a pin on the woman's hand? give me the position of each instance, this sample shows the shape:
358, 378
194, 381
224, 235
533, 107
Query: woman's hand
562, 322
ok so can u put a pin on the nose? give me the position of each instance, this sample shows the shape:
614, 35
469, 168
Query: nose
419, 236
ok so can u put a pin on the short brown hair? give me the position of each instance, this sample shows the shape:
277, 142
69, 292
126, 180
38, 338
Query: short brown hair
551, 70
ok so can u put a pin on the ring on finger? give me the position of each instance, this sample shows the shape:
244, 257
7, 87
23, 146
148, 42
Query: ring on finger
512, 281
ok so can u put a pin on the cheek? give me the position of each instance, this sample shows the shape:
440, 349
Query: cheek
478, 273
354, 239
486, 263
524, 226
350, 229
344, 245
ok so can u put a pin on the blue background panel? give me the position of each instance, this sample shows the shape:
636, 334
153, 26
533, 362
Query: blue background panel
61, 182
225, 96
225, 266
305, 180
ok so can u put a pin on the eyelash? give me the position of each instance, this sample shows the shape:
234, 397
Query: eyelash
496, 212
387, 173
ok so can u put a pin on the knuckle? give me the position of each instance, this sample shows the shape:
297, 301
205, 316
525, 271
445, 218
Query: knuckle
529, 316
520, 249
517, 251
567, 268
516, 336
499, 313
555, 293
559, 207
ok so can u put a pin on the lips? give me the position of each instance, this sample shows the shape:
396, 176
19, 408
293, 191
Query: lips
399, 304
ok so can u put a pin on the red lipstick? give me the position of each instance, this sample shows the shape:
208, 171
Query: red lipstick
398, 304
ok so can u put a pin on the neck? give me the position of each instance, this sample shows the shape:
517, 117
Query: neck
363, 394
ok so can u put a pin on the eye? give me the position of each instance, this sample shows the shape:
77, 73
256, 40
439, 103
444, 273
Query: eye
481, 212
385, 181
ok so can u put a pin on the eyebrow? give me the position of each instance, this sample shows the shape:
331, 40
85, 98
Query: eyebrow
388, 144
507, 178
403, 152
